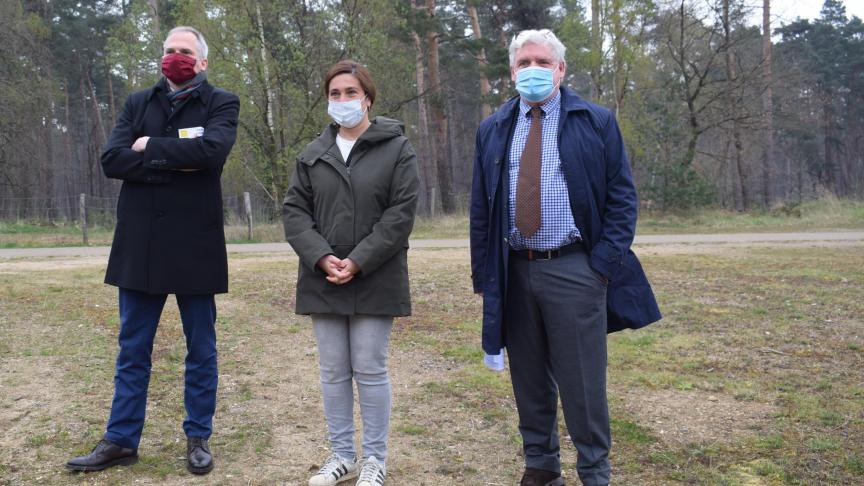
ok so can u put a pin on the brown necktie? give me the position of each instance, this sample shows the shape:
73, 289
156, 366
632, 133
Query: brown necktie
528, 185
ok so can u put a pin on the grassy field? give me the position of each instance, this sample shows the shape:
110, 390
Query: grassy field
827, 214
753, 377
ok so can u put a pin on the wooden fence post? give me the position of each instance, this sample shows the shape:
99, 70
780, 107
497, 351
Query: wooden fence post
248, 204
82, 215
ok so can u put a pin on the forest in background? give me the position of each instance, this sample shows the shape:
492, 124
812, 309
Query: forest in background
715, 111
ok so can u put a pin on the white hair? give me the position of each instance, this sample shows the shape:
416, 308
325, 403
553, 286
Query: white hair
543, 37
202, 44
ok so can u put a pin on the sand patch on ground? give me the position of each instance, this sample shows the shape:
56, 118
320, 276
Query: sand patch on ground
52, 263
684, 417
31, 397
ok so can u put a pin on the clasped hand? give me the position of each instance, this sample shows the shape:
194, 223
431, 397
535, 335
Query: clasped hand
141, 144
338, 271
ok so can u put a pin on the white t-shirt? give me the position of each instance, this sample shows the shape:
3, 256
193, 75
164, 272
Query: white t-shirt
345, 146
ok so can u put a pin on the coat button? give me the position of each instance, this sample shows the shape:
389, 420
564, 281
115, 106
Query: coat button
160, 214
168, 128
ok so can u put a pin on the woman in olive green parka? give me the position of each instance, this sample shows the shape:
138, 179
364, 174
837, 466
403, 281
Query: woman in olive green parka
362, 210
348, 214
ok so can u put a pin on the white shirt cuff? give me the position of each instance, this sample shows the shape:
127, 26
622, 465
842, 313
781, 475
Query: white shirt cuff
494, 362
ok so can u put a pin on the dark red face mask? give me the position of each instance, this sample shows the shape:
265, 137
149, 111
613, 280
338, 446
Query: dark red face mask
178, 68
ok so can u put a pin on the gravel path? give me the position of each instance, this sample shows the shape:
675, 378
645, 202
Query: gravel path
647, 240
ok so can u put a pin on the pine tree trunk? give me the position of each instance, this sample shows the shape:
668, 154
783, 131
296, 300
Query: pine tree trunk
85, 133
273, 148
767, 105
427, 153
828, 174
733, 107
157, 28
49, 167
97, 112
619, 77
439, 116
855, 134
485, 108
69, 168
111, 105
596, 51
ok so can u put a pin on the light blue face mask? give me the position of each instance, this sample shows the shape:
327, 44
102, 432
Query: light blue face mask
347, 114
534, 83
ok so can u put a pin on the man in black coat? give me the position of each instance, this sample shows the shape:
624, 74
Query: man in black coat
168, 148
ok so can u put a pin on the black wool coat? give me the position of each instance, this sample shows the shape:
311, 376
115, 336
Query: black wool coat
169, 237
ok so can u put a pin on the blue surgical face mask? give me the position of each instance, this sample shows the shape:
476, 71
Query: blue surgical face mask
347, 114
534, 83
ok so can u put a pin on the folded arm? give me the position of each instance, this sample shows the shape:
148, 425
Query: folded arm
208, 151
118, 159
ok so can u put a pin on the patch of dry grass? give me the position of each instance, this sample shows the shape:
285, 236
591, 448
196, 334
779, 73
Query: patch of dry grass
828, 213
753, 377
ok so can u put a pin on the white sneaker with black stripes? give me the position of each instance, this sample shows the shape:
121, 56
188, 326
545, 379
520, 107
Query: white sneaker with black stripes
335, 470
372, 473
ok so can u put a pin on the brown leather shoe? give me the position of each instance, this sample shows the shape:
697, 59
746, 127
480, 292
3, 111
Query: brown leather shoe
199, 460
541, 477
103, 456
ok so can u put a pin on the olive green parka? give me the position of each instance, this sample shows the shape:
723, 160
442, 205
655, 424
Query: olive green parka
364, 210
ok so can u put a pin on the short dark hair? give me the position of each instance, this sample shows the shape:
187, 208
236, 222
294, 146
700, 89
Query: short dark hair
359, 71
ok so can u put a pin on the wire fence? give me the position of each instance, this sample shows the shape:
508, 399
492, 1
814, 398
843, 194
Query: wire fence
263, 209
102, 211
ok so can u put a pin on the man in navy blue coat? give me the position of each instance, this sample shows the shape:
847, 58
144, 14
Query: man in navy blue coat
553, 215
168, 148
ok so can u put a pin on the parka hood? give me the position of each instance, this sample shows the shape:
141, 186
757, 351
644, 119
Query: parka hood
381, 129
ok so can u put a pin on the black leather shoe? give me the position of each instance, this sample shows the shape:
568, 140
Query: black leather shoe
103, 456
541, 477
199, 460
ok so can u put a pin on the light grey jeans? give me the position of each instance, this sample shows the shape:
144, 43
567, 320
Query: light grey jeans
355, 347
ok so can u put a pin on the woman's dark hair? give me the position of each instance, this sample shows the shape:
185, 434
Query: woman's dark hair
356, 69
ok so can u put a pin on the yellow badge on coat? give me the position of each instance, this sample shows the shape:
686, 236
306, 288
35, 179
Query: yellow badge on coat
193, 132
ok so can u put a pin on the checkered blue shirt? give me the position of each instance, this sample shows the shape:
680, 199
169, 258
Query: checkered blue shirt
557, 228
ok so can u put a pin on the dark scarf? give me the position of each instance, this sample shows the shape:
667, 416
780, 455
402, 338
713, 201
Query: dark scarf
185, 91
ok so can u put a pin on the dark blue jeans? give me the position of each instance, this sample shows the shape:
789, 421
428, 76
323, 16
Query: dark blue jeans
139, 317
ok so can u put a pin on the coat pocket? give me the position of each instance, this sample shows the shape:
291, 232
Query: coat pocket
630, 301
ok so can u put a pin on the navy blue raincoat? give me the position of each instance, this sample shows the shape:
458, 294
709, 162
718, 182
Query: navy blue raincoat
602, 198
